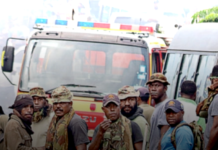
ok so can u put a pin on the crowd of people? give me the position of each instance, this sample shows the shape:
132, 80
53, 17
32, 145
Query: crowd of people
130, 122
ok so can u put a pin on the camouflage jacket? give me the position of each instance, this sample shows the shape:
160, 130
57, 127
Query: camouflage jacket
118, 136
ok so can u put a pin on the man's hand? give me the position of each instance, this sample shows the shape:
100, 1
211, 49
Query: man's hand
200, 105
104, 126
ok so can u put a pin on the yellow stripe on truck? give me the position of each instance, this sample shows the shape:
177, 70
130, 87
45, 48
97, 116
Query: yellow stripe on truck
3, 55
83, 104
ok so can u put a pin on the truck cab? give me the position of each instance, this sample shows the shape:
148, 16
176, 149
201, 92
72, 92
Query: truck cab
88, 63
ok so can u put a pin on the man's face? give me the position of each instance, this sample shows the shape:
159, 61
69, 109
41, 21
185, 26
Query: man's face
27, 112
128, 106
39, 102
214, 81
112, 111
62, 108
157, 90
174, 118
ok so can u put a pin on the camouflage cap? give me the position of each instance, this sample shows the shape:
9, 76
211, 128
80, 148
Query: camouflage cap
37, 91
127, 91
61, 94
158, 77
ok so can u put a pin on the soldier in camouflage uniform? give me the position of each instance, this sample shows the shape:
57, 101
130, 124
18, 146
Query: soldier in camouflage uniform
116, 132
41, 117
129, 108
67, 131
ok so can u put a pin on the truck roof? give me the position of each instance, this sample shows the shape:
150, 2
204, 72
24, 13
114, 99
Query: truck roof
196, 37
89, 35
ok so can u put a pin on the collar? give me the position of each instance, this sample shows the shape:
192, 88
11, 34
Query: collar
163, 102
15, 117
144, 105
187, 100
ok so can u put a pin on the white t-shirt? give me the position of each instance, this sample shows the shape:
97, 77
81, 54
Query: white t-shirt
189, 110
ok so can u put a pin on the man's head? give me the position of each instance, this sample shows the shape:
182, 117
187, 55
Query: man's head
143, 95
111, 107
23, 104
157, 86
174, 112
128, 100
214, 75
62, 101
188, 90
39, 98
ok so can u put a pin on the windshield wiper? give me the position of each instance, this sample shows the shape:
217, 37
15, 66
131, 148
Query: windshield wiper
90, 92
73, 85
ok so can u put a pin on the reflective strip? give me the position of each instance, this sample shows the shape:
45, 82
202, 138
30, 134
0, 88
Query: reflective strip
94, 25
125, 27
3, 54
135, 28
102, 25
115, 26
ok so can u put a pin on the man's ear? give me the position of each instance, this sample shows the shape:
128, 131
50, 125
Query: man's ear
103, 108
195, 95
138, 100
165, 88
71, 103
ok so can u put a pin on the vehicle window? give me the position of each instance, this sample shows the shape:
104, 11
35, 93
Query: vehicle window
171, 69
121, 61
187, 71
105, 66
155, 63
19, 56
89, 61
163, 56
203, 78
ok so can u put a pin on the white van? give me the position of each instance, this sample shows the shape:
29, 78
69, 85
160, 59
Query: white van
191, 56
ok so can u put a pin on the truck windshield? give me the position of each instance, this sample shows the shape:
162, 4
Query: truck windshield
51, 63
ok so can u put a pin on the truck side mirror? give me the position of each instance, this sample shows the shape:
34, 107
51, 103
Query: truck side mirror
7, 59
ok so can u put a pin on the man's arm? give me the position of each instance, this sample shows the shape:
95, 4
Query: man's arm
79, 129
198, 108
138, 146
137, 138
213, 134
81, 147
95, 144
163, 130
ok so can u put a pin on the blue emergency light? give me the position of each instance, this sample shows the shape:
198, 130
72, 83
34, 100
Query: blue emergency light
85, 24
42, 21
61, 22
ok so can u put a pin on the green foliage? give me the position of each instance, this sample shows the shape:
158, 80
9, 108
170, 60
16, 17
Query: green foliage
207, 15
